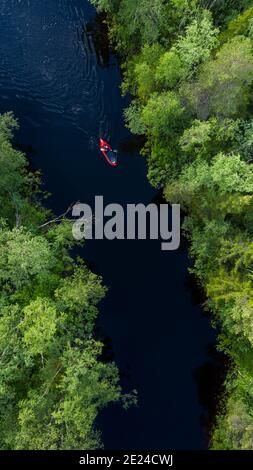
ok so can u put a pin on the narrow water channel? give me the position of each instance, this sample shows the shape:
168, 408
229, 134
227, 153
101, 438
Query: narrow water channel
64, 89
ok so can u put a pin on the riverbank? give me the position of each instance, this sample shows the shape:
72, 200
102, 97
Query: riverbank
190, 72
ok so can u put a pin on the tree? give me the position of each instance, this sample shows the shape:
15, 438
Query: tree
61, 413
163, 114
204, 139
23, 258
109, 6
17, 184
244, 140
52, 383
39, 326
140, 76
133, 119
222, 87
169, 70
241, 25
214, 190
143, 20
196, 45
235, 429
77, 296
224, 10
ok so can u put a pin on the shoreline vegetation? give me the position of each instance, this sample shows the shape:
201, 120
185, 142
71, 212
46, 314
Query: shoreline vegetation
188, 65
52, 381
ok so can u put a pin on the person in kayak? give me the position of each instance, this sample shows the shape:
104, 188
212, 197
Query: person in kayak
104, 148
108, 153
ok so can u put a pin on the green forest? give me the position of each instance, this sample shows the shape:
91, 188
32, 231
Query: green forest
188, 65
52, 381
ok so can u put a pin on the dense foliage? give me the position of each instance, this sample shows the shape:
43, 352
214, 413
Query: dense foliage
189, 67
52, 383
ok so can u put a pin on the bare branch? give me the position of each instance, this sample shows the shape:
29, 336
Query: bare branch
59, 217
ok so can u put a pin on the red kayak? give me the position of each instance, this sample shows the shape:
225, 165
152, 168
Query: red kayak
108, 153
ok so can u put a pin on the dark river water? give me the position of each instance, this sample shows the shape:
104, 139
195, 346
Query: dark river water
63, 85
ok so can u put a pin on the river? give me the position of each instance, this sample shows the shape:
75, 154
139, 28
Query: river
62, 83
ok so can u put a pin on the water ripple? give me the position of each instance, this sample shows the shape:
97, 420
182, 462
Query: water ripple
70, 85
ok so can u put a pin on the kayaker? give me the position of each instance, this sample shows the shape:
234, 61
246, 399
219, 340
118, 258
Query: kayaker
108, 152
